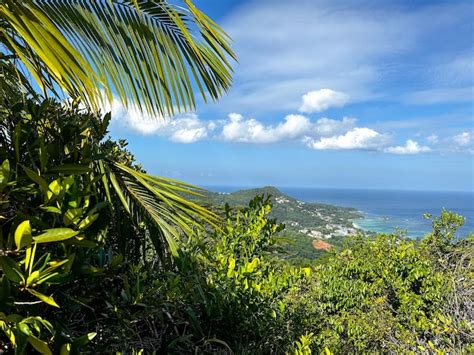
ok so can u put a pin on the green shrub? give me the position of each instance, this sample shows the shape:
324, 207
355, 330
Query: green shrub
387, 294
73, 208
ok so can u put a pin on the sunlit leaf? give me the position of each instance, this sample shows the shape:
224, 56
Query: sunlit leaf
23, 235
46, 299
55, 235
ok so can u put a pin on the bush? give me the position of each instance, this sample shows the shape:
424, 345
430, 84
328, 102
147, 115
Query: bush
74, 210
389, 294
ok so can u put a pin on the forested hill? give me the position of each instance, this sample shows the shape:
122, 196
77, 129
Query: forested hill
312, 219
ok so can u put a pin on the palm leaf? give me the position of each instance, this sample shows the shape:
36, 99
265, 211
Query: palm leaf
160, 203
144, 51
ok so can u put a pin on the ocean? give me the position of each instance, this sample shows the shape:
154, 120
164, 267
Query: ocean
386, 210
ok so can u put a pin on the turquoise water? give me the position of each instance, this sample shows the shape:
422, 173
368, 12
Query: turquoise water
386, 210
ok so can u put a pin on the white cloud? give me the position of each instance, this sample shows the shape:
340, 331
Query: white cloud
294, 127
186, 129
321, 134
133, 119
183, 128
189, 128
321, 100
410, 147
329, 127
357, 138
238, 129
463, 139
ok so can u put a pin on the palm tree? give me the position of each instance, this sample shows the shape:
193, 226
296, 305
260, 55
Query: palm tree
149, 53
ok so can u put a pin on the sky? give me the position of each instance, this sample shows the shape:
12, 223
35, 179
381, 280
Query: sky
341, 94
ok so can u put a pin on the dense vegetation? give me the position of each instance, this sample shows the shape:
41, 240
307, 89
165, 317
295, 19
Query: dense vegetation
96, 255
305, 223
79, 272
297, 215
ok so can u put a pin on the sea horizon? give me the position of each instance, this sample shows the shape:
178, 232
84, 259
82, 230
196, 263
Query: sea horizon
233, 188
386, 210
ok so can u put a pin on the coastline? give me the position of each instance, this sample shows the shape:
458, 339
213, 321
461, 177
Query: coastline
386, 211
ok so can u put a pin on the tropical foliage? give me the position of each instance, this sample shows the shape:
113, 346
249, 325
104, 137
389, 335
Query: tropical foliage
392, 295
96, 255
149, 53
82, 271
66, 192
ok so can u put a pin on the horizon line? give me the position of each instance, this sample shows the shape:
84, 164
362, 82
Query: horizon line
248, 187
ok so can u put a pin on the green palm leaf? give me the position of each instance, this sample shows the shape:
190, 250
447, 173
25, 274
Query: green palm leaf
142, 50
160, 201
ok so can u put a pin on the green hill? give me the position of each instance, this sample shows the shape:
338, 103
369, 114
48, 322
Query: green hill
304, 222
312, 219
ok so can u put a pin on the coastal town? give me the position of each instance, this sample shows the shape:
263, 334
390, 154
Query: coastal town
314, 225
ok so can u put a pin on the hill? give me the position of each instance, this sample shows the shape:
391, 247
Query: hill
312, 219
311, 229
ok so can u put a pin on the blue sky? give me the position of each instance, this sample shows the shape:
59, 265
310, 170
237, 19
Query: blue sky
356, 94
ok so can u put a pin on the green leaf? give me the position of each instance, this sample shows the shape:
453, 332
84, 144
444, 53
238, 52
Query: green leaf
32, 278
46, 299
86, 222
55, 235
54, 188
11, 269
119, 192
8, 332
23, 235
5, 172
65, 349
83, 340
24, 328
152, 56
53, 265
30, 257
39, 345
36, 178
230, 270
51, 209
72, 215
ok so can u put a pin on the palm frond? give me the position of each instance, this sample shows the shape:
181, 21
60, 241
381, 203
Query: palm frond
160, 201
144, 51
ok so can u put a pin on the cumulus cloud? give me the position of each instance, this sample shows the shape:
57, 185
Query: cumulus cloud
321, 134
463, 139
183, 128
133, 119
321, 100
357, 138
189, 128
238, 129
329, 127
410, 147
293, 127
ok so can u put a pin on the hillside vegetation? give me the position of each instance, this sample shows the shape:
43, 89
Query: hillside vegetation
81, 272
312, 219
311, 229
99, 256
